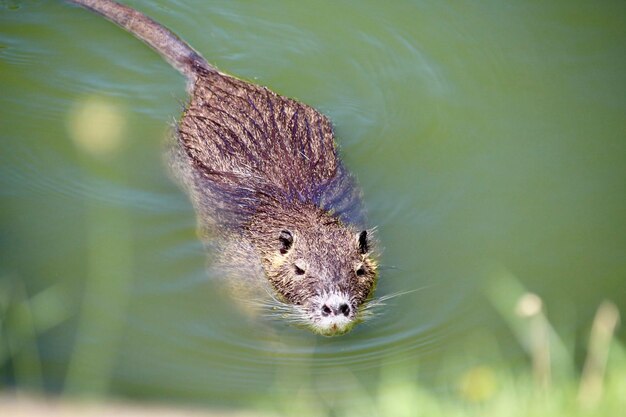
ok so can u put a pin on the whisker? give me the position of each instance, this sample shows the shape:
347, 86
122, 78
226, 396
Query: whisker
400, 293
277, 309
368, 310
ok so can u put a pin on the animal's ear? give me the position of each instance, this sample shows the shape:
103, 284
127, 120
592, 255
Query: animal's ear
364, 242
285, 240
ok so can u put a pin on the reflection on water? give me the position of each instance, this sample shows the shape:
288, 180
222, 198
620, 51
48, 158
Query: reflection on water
481, 134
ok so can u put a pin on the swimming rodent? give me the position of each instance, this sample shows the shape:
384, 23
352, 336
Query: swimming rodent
273, 199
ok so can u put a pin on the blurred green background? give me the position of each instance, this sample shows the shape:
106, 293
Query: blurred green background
489, 138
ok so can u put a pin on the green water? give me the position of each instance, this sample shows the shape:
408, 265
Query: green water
489, 139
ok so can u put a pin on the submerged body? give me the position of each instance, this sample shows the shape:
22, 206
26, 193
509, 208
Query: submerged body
273, 199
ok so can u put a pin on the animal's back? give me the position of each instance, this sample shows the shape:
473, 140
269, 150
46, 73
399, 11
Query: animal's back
246, 142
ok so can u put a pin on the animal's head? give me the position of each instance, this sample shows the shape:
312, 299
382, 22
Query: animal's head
323, 270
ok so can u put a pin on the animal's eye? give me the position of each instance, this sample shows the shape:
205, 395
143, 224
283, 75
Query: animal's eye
360, 272
298, 270
286, 241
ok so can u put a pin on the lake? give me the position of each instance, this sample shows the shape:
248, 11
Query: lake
489, 139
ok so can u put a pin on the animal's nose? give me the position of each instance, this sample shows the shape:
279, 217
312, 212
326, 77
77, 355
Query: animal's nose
335, 310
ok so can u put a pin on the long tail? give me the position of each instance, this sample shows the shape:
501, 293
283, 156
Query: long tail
175, 51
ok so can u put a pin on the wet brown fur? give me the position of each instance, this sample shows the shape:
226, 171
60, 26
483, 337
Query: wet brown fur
256, 163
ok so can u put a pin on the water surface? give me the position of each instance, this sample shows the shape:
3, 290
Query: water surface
489, 140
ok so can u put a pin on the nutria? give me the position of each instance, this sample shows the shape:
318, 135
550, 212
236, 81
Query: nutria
273, 199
